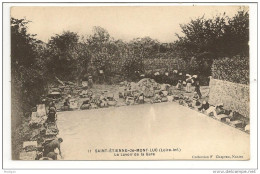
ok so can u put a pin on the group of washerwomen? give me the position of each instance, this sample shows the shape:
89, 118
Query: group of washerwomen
51, 148
90, 97
205, 107
190, 80
163, 95
93, 101
195, 101
188, 83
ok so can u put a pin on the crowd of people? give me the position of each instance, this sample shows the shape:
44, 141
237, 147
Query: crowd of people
188, 82
134, 93
50, 148
164, 93
130, 94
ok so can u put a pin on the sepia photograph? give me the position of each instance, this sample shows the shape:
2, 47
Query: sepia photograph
130, 83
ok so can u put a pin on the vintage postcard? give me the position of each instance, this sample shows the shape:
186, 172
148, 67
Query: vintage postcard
130, 82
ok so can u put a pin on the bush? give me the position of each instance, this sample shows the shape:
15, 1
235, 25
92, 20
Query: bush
235, 69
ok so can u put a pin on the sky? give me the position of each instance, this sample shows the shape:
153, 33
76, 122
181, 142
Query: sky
126, 23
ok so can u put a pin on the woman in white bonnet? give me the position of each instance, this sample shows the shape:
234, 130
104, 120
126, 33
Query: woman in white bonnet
188, 83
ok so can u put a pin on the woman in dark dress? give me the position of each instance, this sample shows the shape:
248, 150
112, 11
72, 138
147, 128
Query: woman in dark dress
197, 87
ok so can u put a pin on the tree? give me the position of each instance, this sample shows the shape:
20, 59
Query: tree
145, 47
208, 39
202, 35
27, 77
236, 36
99, 39
102, 51
28, 80
62, 52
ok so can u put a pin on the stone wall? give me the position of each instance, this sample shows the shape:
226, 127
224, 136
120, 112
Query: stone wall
234, 96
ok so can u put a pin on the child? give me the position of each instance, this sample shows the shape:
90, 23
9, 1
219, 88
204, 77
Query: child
179, 85
90, 82
140, 98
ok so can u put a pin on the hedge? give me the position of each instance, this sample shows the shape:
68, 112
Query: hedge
235, 69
